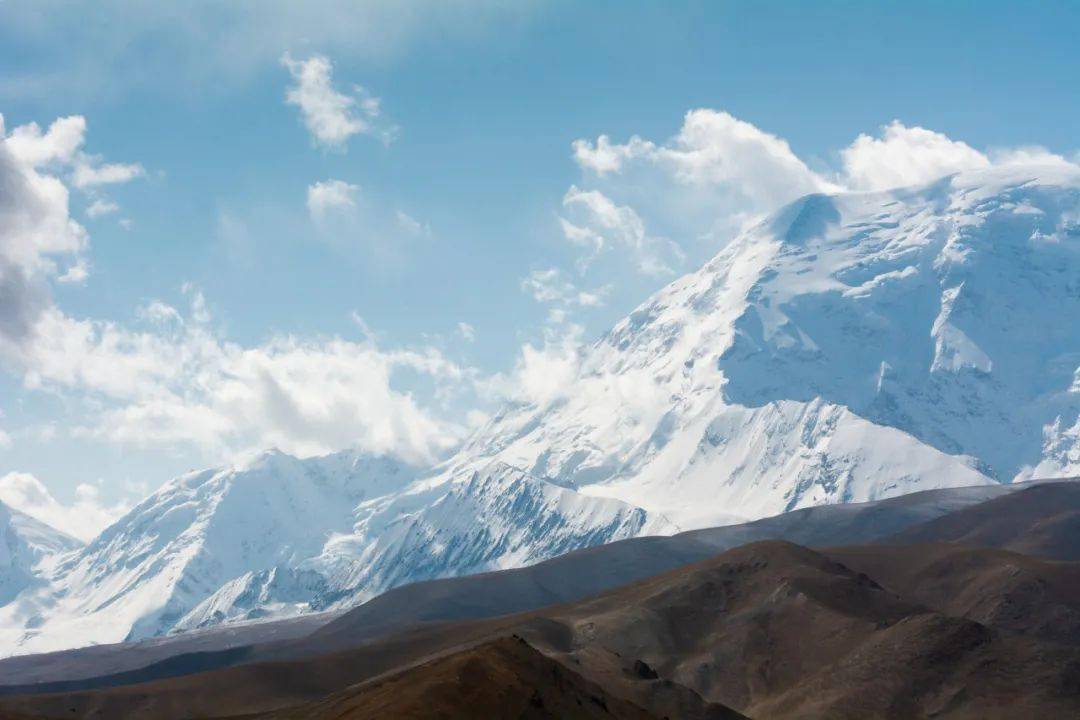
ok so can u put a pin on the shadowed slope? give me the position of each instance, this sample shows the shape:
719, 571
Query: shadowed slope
998, 588
502, 678
776, 630
1043, 520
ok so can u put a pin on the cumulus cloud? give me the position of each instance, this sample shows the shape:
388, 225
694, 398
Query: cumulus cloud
330, 196
905, 156
712, 150
60, 147
715, 148
58, 144
39, 241
330, 116
83, 518
179, 383
37, 235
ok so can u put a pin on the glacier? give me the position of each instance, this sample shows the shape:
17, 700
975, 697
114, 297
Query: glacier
850, 347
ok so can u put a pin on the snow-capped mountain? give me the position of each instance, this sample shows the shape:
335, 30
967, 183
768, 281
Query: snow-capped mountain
275, 536
492, 518
28, 549
850, 347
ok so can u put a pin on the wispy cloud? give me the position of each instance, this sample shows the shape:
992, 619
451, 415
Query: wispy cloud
101, 207
466, 331
330, 116
550, 286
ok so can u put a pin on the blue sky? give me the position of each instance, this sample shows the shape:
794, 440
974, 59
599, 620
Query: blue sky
447, 204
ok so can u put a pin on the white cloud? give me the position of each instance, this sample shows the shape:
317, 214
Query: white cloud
713, 150
1031, 155
83, 518
543, 372
37, 235
180, 384
5, 440
592, 299
76, 273
547, 285
159, 313
59, 144
362, 324
89, 172
550, 286
59, 147
466, 331
39, 241
905, 156
597, 223
412, 226
329, 196
101, 207
604, 157
330, 116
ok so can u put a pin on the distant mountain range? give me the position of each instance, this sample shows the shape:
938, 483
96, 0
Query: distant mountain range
849, 348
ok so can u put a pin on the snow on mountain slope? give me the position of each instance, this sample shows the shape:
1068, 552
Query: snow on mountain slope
851, 347
490, 519
277, 536
28, 548
185, 541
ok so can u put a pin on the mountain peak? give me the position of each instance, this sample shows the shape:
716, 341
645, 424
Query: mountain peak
848, 347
